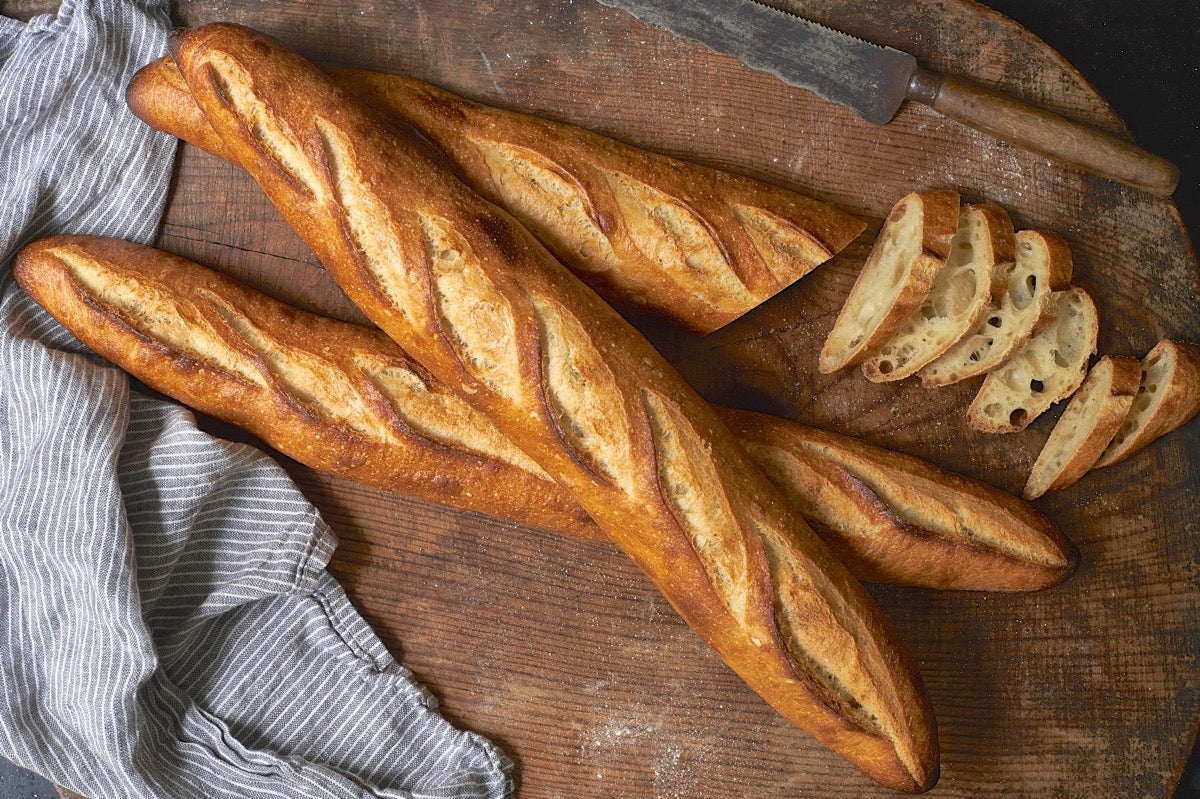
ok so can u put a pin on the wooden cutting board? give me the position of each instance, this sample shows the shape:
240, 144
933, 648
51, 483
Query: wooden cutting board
560, 650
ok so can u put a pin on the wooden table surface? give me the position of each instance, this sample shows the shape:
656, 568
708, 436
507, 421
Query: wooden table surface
559, 650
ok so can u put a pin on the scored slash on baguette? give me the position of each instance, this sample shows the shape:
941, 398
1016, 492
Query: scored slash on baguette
473, 297
1042, 266
1168, 396
1046, 369
345, 400
898, 519
907, 254
698, 245
1086, 426
960, 295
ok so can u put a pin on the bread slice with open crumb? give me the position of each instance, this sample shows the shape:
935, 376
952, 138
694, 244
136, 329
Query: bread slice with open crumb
1043, 266
1048, 368
1168, 397
1086, 426
959, 297
910, 249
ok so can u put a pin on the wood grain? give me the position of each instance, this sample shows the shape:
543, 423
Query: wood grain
559, 650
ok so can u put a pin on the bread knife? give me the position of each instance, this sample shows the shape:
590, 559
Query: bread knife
874, 81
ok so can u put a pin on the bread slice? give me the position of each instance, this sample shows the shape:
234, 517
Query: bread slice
1048, 368
1086, 426
1168, 398
1043, 266
910, 249
961, 294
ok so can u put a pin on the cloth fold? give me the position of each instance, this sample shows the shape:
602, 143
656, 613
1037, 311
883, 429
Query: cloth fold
167, 625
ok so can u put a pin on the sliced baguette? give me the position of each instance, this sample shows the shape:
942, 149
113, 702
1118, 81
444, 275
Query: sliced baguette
1167, 398
908, 252
1048, 368
896, 518
961, 294
1043, 266
1086, 426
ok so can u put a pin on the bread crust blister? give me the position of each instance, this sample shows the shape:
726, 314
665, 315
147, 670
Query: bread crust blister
427, 260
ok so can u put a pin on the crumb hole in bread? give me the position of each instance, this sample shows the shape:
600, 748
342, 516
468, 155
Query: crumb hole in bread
1022, 292
1037, 386
885, 367
995, 321
1017, 417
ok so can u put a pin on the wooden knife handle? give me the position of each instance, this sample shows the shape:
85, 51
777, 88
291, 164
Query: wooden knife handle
1044, 132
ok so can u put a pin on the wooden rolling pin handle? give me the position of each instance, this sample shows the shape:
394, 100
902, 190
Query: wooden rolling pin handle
1044, 132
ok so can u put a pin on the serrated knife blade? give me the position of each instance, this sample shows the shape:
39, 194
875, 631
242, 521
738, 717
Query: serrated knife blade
875, 81
870, 79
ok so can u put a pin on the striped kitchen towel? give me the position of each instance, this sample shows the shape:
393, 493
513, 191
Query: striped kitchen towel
167, 626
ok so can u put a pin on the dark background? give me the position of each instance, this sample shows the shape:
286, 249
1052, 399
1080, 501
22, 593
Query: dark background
1143, 57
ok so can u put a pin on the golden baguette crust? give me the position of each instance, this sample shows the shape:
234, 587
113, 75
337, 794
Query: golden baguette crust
468, 292
338, 397
1168, 397
698, 245
907, 254
896, 518
1087, 426
346, 400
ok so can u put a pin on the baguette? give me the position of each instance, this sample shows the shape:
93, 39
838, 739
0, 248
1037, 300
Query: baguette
1048, 368
959, 297
338, 397
909, 251
1168, 397
1043, 265
697, 245
1087, 425
346, 400
469, 293
895, 518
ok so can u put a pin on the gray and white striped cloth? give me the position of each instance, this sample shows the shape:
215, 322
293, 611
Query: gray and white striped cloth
167, 626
